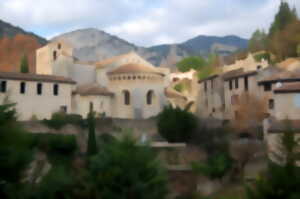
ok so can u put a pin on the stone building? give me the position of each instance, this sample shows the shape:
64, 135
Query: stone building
36, 96
125, 86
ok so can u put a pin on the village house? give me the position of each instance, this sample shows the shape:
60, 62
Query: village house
36, 96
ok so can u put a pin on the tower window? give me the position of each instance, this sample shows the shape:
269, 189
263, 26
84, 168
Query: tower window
22, 87
39, 89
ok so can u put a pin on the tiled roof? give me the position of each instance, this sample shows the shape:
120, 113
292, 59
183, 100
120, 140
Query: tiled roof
35, 77
282, 77
237, 73
208, 78
92, 89
290, 87
108, 61
135, 68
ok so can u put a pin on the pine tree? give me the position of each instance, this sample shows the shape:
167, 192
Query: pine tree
92, 143
284, 17
24, 68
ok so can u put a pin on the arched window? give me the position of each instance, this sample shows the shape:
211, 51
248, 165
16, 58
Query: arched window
126, 97
149, 97
59, 46
54, 55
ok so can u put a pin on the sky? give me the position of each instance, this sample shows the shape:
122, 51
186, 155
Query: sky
143, 22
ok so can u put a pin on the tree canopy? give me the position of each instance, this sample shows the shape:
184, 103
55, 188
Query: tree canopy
194, 62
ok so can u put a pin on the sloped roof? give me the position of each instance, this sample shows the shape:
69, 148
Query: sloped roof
135, 68
286, 63
290, 87
92, 89
36, 77
237, 73
101, 64
282, 77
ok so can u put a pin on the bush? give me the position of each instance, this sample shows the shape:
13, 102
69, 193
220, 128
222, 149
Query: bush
64, 145
59, 119
216, 166
176, 125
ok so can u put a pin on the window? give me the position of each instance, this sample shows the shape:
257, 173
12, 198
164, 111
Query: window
126, 97
271, 104
59, 46
22, 87
237, 83
149, 97
64, 109
91, 107
246, 83
3, 87
55, 89
39, 88
267, 87
54, 55
212, 84
230, 84
258, 67
205, 86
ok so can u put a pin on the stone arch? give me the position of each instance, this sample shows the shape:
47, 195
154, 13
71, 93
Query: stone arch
126, 95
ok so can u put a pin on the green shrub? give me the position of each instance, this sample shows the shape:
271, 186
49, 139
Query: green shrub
176, 125
59, 119
56, 144
179, 87
216, 166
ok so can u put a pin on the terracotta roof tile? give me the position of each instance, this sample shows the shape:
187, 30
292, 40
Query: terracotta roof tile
92, 89
35, 77
135, 68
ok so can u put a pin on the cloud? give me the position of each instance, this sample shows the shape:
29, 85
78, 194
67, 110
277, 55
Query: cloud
143, 22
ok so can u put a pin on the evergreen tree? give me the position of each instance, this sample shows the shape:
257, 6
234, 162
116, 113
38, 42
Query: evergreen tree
282, 179
15, 152
92, 143
284, 17
258, 41
24, 68
124, 169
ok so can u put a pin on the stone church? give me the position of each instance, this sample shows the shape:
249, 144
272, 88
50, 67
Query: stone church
125, 86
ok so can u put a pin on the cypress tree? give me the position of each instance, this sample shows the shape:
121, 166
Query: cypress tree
24, 65
92, 143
